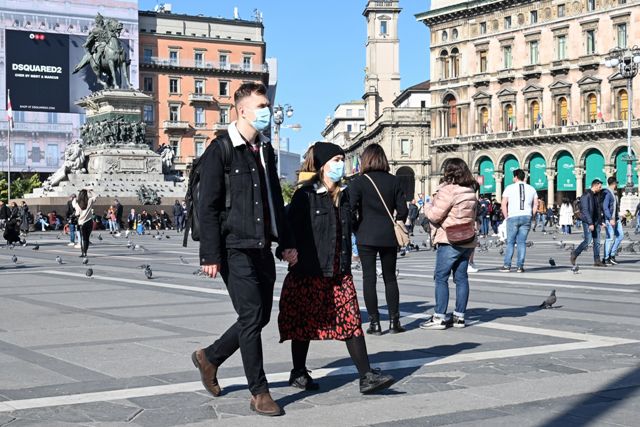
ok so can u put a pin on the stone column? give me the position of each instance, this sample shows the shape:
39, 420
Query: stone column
551, 186
498, 176
609, 170
579, 173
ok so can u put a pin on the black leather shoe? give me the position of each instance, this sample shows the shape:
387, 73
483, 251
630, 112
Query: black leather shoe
302, 380
395, 327
374, 328
375, 380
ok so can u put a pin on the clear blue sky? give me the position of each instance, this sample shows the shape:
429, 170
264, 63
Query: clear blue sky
320, 51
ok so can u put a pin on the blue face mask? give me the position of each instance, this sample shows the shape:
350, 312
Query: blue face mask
263, 119
336, 171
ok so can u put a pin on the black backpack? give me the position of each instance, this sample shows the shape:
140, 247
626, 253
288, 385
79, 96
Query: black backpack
193, 189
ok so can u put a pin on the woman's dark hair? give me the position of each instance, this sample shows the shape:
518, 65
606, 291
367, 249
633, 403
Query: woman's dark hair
457, 172
565, 201
83, 199
374, 159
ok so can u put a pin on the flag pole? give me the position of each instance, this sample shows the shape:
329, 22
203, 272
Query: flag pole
9, 154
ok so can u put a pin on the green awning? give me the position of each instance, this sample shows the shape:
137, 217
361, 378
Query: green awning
595, 168
537, 175
509, 166
621, 167
565, 180
486, 172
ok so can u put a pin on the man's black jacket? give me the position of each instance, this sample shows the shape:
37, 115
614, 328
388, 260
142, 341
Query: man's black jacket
242, 225
312, 216
590, 208
5, 212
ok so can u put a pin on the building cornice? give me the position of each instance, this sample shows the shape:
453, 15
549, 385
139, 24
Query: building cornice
466, 10
197, 18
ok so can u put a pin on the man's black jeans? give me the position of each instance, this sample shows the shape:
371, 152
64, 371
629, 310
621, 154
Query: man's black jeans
388, 260
249, 275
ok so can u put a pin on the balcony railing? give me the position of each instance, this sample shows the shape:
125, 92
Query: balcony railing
617, 125
175, 125
220, 126
200, 97
52, 161
38, 127
205, 65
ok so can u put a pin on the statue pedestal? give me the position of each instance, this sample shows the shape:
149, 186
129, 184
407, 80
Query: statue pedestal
114, 104
629, 202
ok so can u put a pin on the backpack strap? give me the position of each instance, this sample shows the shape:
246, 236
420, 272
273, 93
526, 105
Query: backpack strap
227, 159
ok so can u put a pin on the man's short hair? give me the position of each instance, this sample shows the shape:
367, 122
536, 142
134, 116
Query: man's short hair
612, 180
518, 173
595, 182
247, 89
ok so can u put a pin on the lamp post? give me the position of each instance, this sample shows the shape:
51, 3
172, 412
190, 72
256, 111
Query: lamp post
627, 62
279, 113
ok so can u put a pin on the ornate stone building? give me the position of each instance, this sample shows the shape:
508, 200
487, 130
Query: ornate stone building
522, 84
397, 120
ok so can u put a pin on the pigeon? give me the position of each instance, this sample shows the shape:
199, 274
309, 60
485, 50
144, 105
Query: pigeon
100, 237
501, 251
184, 261
575, 269
144, 266
59, 260
89, 272
198, 272
167, 236
85, 261
36, 247
14, 259
58, 236
552, 262
529, 244
148, 273
551, 299
554, 237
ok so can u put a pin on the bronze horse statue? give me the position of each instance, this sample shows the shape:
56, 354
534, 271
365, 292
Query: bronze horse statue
109, 60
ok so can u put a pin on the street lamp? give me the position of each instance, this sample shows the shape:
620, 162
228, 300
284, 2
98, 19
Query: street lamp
279, 113
627, 61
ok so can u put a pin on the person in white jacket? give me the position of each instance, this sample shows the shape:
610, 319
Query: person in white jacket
566, 216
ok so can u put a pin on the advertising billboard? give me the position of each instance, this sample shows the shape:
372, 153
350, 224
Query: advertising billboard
39, 71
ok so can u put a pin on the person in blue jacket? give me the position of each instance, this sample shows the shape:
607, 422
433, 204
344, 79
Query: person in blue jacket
612, 222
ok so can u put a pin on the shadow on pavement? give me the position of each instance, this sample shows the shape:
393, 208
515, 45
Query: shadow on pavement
336, 381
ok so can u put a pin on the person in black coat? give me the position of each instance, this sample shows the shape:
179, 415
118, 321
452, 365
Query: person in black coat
375, 232
592, 220
5, 213
236, 233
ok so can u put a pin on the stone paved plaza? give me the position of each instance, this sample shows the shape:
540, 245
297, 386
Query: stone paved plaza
114, 350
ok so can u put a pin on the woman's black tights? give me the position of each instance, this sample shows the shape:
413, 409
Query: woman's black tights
356, 346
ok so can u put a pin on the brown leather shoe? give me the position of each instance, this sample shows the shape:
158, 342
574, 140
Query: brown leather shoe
263, 404
208, 372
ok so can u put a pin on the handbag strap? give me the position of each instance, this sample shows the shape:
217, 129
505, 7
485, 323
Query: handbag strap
381, 199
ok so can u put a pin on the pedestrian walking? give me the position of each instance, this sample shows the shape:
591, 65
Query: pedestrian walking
566, 216
375, 195
177, 215
318, 300
236, 241
496, 217
5, 214
132, 219
484, 216
540, 215
612, 222
637, 215
83, 206
26, 218
591, 217
452, 214
72, 222
519, 202
119, 210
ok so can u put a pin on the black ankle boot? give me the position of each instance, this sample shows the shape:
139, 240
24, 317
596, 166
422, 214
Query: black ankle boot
394, 325
374, 327
375, 380
302, 380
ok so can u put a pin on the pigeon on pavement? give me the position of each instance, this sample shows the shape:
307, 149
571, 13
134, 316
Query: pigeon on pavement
100, 237
529, 244
59, 260
147, 272
36, 247
85, 261
182, 260
14, 259
89, 272
551, 299
552, 262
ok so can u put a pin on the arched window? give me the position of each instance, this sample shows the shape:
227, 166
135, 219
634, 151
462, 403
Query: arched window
623, 105
592, 108
445, 36
535, 115
444, 64
454, 34
455, 63
484, 120
509, 120
451, 115
562, 112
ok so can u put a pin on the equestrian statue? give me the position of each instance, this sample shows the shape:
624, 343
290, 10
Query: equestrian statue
106, 54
